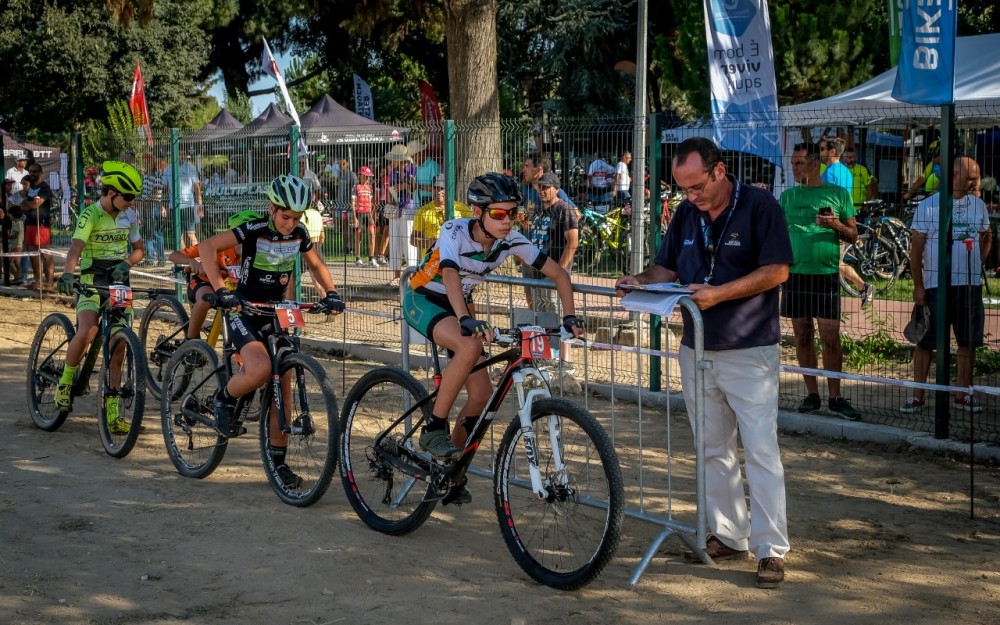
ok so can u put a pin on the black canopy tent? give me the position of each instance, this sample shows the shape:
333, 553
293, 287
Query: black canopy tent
215, 136
329, 123
47, 157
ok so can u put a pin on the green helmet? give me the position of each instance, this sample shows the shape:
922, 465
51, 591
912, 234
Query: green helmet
242, 217
289, 192
121, 177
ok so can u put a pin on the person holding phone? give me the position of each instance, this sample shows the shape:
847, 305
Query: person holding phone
820, 215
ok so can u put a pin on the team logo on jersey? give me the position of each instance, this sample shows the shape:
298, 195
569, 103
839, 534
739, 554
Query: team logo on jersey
688, 242
734, 240
255, 225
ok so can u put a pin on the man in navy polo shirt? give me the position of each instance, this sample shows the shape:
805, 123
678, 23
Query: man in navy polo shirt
729, 241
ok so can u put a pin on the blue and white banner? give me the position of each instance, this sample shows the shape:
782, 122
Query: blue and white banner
741, 68
926, 70
363, 105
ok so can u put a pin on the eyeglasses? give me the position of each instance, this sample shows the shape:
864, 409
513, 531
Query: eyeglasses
698, 189
128, 197
499, 214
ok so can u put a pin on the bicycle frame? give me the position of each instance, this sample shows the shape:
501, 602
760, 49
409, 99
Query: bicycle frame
109, 318
518, 370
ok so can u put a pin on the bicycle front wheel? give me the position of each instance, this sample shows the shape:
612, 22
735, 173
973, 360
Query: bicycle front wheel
565, 538
122, 397
386, 499
162, 329
190, 380
874, 259
591, 249
45, 366
310, 455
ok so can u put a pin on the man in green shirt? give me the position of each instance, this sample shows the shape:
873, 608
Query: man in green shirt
819, 215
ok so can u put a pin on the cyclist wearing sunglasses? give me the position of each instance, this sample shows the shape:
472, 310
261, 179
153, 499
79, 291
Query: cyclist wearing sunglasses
106, 244
438, 299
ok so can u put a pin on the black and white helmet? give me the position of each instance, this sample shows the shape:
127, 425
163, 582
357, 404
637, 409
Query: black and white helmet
493, 187
289, 192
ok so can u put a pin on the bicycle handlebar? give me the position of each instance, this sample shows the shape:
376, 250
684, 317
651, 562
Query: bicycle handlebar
262, 308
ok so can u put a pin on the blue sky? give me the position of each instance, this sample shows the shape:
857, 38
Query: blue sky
259, 102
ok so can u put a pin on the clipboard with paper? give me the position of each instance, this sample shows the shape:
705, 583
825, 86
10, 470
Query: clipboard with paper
655, 299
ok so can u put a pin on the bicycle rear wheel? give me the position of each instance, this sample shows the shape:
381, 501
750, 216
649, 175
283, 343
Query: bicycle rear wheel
386, 499
45, 366
565, 539
162, 329
590, 250
191, 378
311, 451
874, 259
119, 415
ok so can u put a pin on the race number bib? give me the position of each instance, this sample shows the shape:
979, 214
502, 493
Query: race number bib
289, 315
119, 296
535, 343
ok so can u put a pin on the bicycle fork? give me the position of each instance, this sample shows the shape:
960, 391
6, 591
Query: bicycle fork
525, 401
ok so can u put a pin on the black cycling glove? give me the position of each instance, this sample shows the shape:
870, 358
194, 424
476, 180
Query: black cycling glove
332, 302
472, 326
571, 321
227, 299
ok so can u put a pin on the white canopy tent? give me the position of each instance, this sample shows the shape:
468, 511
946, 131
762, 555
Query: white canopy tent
977, 95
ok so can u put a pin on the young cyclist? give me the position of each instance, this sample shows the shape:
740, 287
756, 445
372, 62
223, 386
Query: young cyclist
106, 244
270, 247
438, 297
228, 260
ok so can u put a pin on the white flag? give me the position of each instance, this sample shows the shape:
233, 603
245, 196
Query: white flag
271, 67
363, 104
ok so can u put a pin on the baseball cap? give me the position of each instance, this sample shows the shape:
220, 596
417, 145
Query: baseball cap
22, 157
920, 323
549, 179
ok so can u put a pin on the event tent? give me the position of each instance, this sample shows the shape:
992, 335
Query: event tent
327, 122
222, 125
47, 157
977, 95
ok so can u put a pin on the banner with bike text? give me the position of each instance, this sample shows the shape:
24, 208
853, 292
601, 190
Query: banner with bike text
926, 70
430, 108
363, 104
741, 71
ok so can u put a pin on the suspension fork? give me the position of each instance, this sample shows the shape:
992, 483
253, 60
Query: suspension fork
525, 400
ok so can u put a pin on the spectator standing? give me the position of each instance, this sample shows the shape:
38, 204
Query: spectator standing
426, 170
532, 170
928, 181
555, 230
18, 171
364, 220
865, 184
834, 172
623, 179
152, 212
965, 293
400, 213
18, 268
819, 216
188, 194
431, 216
729, 241
600, 176
37, 228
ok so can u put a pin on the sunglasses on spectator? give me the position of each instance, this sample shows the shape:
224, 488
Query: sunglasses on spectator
499, 214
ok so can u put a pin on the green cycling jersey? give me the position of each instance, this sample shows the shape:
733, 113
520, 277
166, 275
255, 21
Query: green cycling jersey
107, 240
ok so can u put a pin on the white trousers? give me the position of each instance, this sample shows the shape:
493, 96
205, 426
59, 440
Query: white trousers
741, 394
401, 253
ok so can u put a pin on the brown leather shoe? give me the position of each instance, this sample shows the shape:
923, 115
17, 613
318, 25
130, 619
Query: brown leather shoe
770, 572
717, 550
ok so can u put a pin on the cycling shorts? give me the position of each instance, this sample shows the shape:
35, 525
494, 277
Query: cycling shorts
423, 312
94, 302
246, 328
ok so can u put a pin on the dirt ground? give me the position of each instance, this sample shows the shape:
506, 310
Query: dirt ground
879, 536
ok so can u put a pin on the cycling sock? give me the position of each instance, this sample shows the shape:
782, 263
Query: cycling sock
436, 423
468, 423
223, 395
278, 455
67, 374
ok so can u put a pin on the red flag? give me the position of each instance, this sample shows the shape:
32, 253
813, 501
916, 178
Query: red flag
137, 103
431, 110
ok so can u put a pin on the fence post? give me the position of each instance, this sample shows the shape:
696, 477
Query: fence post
175, 195
654, 235
449, 168
941, 323
77, 154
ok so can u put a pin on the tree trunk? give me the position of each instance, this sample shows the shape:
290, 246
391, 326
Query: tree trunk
472, 75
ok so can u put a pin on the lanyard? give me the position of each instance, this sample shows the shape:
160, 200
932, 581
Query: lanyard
712, 247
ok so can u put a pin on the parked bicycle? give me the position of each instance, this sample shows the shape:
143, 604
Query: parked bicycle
877, 256
123, 368
606, 232
298, 403
558, 488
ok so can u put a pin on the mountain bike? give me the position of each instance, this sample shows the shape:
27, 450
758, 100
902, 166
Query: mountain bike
606, 231
123, 368
299, 396
557, 485
874, 256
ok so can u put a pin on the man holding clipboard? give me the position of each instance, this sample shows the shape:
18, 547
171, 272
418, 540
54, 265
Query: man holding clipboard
729, 242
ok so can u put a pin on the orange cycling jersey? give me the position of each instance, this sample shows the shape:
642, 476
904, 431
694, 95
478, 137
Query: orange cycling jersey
229, 262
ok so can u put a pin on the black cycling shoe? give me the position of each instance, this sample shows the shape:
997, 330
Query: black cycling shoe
288, 478
224, 421
458, 494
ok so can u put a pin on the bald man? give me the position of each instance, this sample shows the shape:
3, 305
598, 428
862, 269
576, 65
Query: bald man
965, 293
